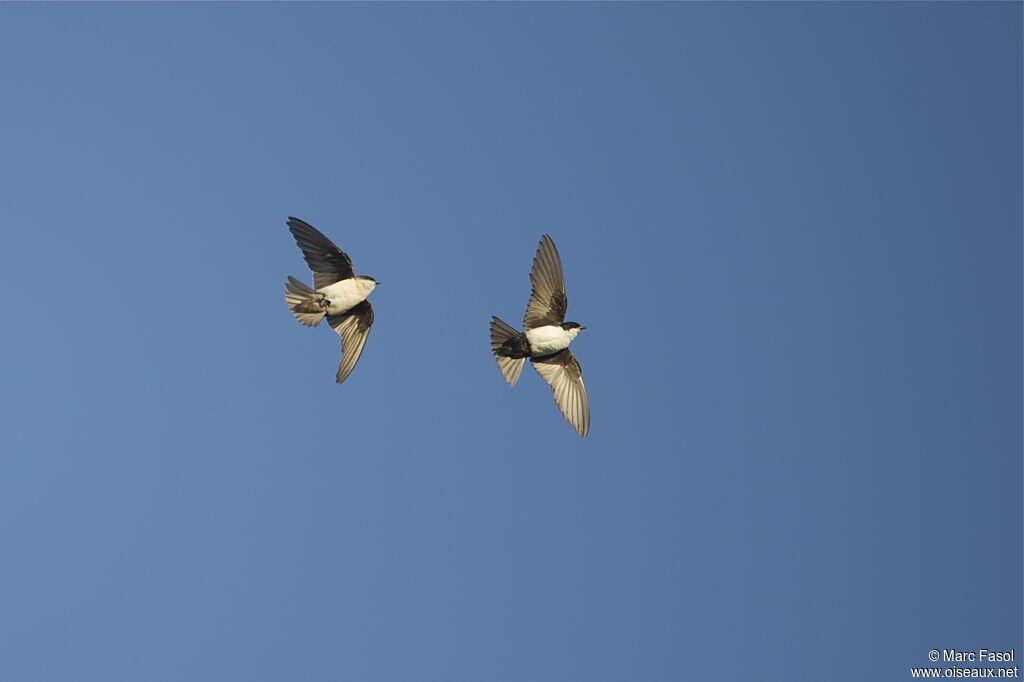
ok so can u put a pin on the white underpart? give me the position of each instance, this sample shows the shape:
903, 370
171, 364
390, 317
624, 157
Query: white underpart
346, 293
550, 338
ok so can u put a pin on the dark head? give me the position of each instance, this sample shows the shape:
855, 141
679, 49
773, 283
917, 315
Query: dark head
364, 284
572, 325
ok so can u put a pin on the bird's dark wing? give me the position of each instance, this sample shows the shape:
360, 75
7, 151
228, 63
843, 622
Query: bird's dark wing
328, 263
547, 300
564, 376
353, 326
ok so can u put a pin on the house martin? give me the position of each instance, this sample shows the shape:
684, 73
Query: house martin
546, 339
337, 294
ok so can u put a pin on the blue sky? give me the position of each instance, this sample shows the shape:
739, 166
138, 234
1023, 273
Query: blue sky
792, 230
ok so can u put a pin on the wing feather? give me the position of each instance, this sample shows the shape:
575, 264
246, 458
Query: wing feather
353, 326
547, 300
328, 263
563, 374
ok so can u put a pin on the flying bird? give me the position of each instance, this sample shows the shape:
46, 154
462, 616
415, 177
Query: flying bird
337, 294
546, 339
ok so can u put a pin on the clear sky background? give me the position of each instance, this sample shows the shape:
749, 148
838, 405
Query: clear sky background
793, 232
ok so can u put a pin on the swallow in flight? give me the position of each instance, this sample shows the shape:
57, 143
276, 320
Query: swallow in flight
338, 294
546, 339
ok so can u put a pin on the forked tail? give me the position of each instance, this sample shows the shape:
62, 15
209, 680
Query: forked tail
510, 350
304, 302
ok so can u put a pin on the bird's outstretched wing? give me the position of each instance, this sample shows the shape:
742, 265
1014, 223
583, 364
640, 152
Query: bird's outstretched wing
328, 263
547, 300
563, 374
353, 326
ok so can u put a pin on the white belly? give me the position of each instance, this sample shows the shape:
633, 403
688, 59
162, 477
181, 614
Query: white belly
548, 339
346, 293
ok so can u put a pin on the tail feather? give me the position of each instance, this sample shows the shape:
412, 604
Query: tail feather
303, 302
509, 348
